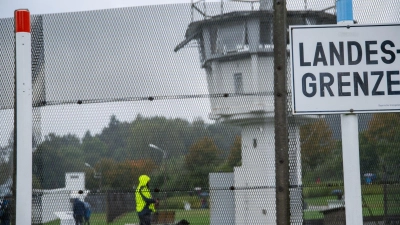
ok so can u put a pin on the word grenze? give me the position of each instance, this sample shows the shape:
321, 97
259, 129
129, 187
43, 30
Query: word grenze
350, 83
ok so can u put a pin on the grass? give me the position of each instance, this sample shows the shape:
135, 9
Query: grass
373, 205
319, 201
313, 215
372, 201
194, 216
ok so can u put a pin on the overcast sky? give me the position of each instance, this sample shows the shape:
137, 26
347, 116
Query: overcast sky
7, 7
367, 9
128, 48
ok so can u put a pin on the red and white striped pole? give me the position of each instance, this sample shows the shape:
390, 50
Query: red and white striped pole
23, 118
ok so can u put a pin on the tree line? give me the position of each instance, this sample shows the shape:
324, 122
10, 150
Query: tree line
379, 147
114, 158
121, 152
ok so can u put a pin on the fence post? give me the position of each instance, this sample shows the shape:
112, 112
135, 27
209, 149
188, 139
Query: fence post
22, 175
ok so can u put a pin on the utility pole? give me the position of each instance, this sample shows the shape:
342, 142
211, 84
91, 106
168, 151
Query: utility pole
281, 124
164, 164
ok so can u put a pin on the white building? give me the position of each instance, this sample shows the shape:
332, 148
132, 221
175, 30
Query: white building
236, 50
46, 203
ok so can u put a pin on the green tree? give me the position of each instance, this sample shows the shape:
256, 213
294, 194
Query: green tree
175, 174
55, 156
224, 135
234, 158
104, 169
369, 158
158, 131
317, 144
384, 127
331, 171
94, 149
383, 136
72, 159
126, 141
115, 136
235, 154
203, 157
125, 175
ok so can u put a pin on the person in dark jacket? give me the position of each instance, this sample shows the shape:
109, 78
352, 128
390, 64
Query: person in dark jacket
145, 204
79, 211
5, 212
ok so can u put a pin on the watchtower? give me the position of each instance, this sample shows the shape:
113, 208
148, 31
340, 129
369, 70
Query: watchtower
236, 51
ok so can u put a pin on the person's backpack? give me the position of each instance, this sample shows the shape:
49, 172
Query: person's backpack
5, 210
88, 212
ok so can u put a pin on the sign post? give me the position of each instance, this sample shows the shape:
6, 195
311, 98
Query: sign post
346, 69
350, 141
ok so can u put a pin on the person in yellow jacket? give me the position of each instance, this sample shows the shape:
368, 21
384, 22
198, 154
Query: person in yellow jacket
144, 201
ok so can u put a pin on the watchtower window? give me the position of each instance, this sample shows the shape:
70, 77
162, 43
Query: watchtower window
265, 33
238, 80
202, 49
213, 39
231, 38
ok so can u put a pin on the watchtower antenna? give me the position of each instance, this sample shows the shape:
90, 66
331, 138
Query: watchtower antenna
200, 7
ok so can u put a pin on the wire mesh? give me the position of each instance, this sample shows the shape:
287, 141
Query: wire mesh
113, 101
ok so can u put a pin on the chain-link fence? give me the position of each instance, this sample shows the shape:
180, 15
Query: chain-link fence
184, 94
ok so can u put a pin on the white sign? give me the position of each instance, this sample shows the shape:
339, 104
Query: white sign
345, 68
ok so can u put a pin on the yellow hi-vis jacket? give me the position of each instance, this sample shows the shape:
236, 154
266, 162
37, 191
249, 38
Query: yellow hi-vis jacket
143, 195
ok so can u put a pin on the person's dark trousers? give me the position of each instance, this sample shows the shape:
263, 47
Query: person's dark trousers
145, 219
87, 222
5, 222
79, 220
